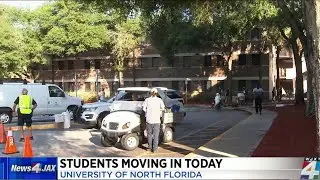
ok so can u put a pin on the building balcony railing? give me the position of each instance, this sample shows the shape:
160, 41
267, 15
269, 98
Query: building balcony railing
159, 72
250, 71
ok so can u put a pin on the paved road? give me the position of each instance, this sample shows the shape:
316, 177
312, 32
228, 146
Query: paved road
197, 129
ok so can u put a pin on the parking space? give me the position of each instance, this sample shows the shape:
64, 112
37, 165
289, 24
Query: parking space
197, 129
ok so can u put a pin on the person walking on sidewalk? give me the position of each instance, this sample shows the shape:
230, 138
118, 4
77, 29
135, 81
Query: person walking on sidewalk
153, 107
217, 101
258, 95
274, 92
26, 107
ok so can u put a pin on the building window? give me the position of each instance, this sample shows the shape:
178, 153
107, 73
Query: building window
205, 85
144, 84
155, 62
188, 86
220, 60
87, 86
175, 85
256, 59
60, 65
207, 61
97, 64
45, 67
143, 62
155, 83
241, 85
187, 61
71, 87
254, 84
87, 64
70, 64
242, 59
255, 34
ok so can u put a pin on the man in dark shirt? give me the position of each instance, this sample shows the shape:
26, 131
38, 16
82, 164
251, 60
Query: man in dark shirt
26, 107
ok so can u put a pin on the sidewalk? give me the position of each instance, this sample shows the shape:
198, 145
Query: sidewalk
241, 140
291, 135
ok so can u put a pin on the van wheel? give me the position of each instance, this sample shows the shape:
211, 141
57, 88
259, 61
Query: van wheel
107, 142
130, 141
73, 112
5, 117
167, 135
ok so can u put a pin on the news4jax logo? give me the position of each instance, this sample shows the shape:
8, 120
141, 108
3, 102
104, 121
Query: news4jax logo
34, 168
311, 168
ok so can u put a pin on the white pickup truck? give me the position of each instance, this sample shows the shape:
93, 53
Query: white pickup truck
93, 113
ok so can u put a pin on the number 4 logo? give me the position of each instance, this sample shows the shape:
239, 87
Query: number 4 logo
36, 168
311, 170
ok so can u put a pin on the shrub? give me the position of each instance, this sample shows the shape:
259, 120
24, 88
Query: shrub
202, 97
87, 97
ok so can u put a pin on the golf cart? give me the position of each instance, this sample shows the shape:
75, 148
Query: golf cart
126, 122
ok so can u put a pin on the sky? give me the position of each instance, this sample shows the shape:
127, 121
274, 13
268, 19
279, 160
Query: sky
24, 4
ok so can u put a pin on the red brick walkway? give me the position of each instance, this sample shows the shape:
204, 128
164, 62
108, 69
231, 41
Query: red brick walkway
291, 135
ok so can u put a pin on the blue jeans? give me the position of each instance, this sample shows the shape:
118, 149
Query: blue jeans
153, 131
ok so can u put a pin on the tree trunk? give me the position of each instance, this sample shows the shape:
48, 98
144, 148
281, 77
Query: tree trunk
312, 18
279, 90
311, 7
52, 70
299, 97
310, 108
121, 81
134, 69
229, 76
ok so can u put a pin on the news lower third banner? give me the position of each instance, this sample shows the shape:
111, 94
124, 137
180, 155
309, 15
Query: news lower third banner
159, 168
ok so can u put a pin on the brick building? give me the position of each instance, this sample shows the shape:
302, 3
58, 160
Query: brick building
206, 71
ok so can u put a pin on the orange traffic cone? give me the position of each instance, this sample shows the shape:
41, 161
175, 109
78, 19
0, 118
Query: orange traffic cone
3, 136
10, 144
27, 148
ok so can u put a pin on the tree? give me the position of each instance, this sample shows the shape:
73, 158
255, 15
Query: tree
68, 28
14, 46
292, 13
125, 38
205, 25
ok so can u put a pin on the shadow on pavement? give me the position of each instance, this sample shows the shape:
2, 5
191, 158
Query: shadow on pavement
51, 143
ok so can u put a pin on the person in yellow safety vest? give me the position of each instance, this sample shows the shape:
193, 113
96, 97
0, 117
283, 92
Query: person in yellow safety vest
26, 106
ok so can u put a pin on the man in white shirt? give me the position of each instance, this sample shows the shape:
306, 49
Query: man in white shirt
217, 101
153, 107
258, 95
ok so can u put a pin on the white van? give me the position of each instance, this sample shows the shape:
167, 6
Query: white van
49, 97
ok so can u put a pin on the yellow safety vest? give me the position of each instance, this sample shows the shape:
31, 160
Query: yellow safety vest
25, 104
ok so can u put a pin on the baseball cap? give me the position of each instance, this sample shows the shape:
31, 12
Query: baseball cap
154, 90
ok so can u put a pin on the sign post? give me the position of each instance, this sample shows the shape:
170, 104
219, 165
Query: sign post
97, 83
186, 84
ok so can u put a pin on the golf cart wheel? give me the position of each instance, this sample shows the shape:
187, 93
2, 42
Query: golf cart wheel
100, 119
167, 135
130, 141
107, 142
